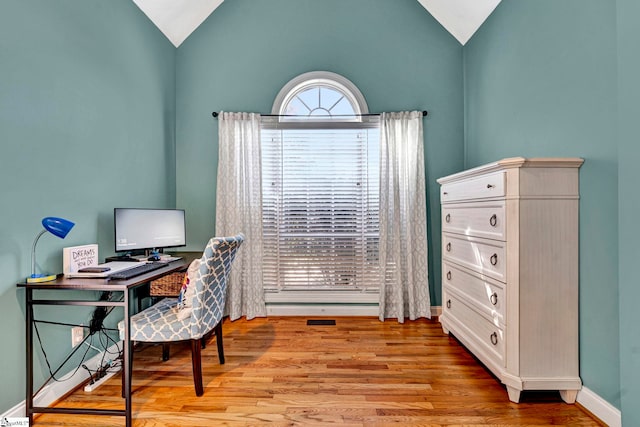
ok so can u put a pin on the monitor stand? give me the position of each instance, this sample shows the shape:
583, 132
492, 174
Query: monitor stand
139, 257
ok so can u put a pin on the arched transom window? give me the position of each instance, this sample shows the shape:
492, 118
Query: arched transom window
320, 96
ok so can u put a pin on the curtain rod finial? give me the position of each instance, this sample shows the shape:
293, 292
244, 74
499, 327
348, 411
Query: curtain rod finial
424, 113
214, 114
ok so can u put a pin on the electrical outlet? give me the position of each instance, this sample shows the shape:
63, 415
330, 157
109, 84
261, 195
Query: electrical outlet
77, 335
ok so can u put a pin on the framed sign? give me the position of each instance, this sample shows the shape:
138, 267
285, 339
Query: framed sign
77, 257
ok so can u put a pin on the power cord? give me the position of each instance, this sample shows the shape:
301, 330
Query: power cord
96, 326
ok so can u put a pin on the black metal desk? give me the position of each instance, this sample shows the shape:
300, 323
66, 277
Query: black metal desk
126, 287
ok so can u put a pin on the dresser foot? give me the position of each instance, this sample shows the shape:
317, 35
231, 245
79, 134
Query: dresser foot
445, 330
569, 396
514, 394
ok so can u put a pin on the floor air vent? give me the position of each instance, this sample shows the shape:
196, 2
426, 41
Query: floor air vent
321, 322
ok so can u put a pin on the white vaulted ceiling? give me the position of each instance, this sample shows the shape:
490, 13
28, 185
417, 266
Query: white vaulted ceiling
461, 18
177, 19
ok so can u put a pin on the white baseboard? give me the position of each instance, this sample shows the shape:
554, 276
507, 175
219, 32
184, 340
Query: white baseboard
330, 310
56, 390
299, 297
599, 407
321, 310
15, 412
436, 311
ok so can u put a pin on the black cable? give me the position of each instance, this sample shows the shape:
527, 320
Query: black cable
52, 375
106, 364
99, 314
104, 340
73, 325
96, 326
102, 358
109, 340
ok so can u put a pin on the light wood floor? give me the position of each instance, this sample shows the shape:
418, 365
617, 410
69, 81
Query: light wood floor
360, 372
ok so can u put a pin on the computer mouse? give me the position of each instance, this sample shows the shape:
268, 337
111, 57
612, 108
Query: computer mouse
154, 258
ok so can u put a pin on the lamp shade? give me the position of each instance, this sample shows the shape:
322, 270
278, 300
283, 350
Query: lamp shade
59, 227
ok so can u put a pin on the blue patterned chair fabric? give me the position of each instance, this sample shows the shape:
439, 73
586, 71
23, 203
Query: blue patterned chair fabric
160, 322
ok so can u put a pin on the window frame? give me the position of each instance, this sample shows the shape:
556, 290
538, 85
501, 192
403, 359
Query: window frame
312, 79
361, 119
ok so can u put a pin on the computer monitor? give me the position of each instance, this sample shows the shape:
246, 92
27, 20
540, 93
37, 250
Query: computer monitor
148, 229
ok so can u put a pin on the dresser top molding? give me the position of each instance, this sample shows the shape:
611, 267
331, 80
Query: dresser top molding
516, 162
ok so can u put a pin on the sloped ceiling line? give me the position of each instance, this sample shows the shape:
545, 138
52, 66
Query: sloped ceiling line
177, 19
461, 18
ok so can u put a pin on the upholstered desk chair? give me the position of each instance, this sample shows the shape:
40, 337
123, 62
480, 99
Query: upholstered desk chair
165, 322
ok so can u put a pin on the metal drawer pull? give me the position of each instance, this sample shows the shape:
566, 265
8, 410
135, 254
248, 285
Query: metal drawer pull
448, 218
494, 298
449, 303
494, 338
493, 220
444, 193
449, 247
494, 259
448, 275
490, 186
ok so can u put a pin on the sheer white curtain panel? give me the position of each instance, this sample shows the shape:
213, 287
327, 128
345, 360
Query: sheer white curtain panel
239, 209
404, 286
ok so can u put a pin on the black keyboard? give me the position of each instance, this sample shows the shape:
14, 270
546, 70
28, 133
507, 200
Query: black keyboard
137, 270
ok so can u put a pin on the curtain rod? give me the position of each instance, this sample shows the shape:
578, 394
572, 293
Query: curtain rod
215, 115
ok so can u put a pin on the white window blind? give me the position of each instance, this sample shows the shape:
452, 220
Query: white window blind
320, 206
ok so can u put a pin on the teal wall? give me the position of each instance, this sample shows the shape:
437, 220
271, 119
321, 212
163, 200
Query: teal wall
87, 102
629, 206
245, 52
540, 80
90, 95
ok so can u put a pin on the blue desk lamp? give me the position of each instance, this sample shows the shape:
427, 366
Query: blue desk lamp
59, 227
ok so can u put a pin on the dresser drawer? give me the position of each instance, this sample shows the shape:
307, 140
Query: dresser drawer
469, 325
485, 294
481, 255
486, 219
486, 186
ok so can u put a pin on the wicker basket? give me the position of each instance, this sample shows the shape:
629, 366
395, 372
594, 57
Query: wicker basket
167, 286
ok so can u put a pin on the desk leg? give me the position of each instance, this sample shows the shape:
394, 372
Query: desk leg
29, 354
127, 355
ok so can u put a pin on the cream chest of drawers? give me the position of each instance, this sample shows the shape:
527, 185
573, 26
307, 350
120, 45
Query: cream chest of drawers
510, 270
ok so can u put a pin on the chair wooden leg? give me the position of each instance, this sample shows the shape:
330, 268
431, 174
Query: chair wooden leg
218, 330
196, 362
206, 338
165, 351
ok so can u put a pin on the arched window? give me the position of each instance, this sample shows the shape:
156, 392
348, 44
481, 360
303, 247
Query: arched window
320, 96
320, 168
